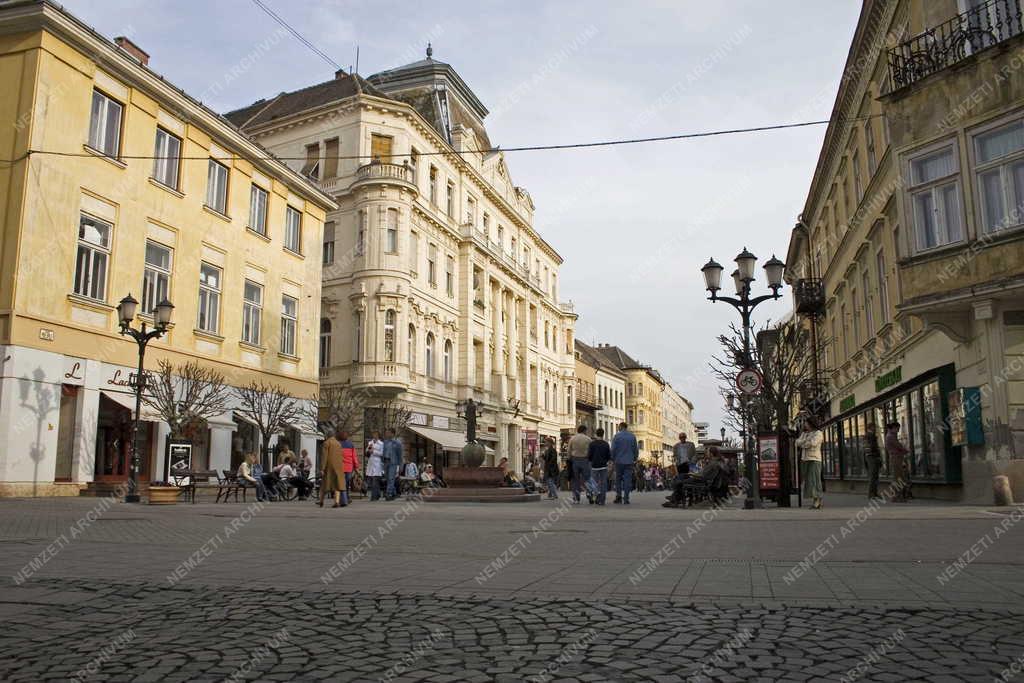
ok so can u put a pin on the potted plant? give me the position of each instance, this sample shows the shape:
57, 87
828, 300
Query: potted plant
162, 493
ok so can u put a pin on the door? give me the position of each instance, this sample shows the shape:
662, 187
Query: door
66, 433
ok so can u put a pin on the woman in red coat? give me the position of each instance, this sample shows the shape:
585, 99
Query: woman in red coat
351, 463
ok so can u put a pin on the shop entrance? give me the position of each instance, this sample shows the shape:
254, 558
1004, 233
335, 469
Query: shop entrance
113, 439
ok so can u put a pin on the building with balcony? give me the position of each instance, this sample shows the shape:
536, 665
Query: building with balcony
643, 414
676, 419
911, 227
607, 408
437, 285
231, 236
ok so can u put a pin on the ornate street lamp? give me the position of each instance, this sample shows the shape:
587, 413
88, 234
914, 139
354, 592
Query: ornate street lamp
745, 305
161, 320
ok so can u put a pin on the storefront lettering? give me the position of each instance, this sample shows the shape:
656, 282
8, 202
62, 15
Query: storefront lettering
119, 380
73, 372
889, 379
847, 403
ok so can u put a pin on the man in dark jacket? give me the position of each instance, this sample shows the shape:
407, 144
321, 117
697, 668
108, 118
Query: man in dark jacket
599, 453
551, 469
714, 475
873, 459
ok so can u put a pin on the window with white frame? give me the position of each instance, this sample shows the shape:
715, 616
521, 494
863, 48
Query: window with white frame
883, 287
450, 199
217, 187
447, 360
414, 253
258, 209
430, 354
209, 298
389, 336
105, 124
166, 158
392, 231
432, 265
93, 259
328, 255
293, 230
449, 275
935, 198
252, 312
325, 343
999, 162
411, 351
156, 277
289, 320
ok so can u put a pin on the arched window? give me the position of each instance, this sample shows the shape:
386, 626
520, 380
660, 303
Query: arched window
412, 348
430, 354
547, 335
357, 331
325, 343
547, 394
389, 336
447, 360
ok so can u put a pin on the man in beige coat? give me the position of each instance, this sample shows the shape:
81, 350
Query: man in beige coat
333, 474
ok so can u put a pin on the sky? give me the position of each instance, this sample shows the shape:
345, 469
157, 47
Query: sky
633, 223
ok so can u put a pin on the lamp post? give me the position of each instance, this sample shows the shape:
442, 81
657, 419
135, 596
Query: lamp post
142, 336
745, 305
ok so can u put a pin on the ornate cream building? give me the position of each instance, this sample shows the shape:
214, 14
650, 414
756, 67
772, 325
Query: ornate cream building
643, 413
437, 286
677, 418
88, 215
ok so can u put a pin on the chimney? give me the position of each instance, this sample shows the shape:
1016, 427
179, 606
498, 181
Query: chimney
340, 73
133, 50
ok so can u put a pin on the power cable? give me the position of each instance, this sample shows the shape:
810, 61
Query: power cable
288, 27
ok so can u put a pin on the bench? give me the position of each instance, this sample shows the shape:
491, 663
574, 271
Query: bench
190, 480
229, 484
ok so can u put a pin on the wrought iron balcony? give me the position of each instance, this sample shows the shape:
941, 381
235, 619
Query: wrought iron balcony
810, 296
586, 397
967, 33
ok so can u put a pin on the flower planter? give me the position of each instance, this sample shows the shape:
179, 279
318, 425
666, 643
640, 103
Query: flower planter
164, 495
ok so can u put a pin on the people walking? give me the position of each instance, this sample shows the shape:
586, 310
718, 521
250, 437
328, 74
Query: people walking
599, 454
374, 465
332, 477
393, 459
624, 454
897, 453
872, 459
684, 453
578, 446
350, 460
810, 444
551, 468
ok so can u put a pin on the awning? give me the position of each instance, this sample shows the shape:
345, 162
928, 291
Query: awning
449, 441
487, 436
147, 414
243, 418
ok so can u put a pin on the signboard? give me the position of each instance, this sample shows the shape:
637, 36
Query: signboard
889, 379
418, 419
179, 455
749, 381
965, 428
439, 421
768, 461
847, 403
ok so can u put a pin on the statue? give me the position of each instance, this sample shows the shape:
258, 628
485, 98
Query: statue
472, 453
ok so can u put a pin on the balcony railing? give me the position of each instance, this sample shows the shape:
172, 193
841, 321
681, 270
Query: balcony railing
967, 33
810, 296
378, 170
586, 396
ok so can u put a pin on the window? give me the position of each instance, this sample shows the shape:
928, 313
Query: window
449, 276
1000, 167
93, 257
501, 237
414, 164
252, 313
487, 224
433, 185
883, 287
935, 196
430, 354
450, 199
447, 360
258, 209
869, 142
392, 231
471, 211
380, 147
389, 336
105, 124
156, 277
547, 335
414, 253
328, 258
289, 314
642, 416
855, 321
331, 153
311, 169
629, 415
412, 348
547, 391
209, 298
869, 317
858, 186
325, 343
166, 158
846, 343
361, 232
217, 187
293, 230
432, 265
357, 331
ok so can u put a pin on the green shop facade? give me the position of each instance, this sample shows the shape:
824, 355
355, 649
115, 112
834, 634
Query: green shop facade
921, 404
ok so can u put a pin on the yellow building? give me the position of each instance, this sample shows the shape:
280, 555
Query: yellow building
230, 236
644, 387
911, 238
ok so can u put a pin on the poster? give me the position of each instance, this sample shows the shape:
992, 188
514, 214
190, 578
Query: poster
180, 457
768, 461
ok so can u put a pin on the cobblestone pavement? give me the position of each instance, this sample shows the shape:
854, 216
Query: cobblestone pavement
63, 628
101, 591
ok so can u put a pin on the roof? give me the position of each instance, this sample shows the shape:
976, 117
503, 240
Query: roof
590, 356
341, 87
623, 361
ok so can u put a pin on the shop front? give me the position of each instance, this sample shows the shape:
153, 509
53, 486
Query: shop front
921, 407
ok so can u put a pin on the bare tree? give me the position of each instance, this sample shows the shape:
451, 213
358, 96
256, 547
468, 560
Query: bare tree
391, 415
271, 409
186, 396
336, 408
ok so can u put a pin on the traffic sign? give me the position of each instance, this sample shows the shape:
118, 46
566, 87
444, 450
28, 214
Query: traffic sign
749, 381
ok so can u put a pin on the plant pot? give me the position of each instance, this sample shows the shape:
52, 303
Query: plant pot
163, 495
